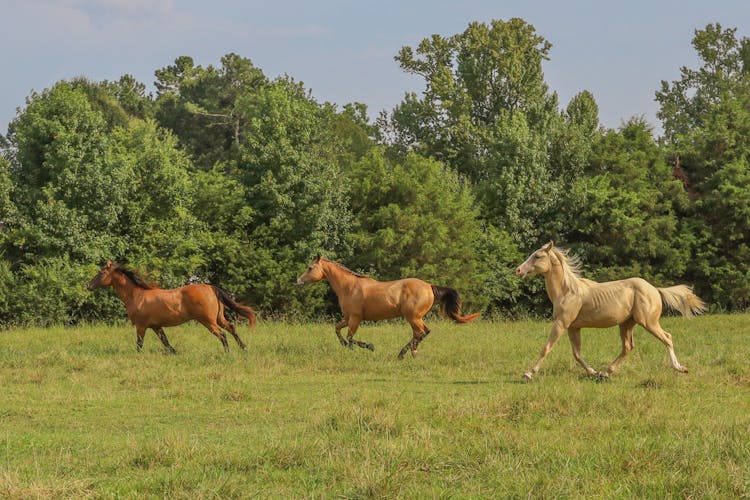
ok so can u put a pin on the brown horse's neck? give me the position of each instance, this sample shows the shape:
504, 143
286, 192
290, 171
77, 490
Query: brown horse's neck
554, 279
124, 288
341, 281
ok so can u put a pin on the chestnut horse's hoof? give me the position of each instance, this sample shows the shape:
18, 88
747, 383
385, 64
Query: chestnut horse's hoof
371, 347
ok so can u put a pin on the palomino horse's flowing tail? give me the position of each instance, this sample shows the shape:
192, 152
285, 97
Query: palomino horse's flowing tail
682, 299
242, 310
450, 303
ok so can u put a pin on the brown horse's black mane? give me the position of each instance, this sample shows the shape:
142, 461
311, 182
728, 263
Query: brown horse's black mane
341, 266
137, 280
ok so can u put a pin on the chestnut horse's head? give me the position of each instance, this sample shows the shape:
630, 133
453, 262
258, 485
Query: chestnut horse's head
103, 277
313, 273
537, 263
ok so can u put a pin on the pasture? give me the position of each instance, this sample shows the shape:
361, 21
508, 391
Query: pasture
83, 415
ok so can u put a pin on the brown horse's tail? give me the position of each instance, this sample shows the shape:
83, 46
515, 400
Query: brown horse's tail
682, 299
243, 310
450, 303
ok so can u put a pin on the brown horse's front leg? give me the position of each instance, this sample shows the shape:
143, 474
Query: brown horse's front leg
139, 334
163, 337
353, 325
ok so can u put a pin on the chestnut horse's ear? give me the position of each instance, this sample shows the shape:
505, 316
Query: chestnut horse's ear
109, 263
319, 257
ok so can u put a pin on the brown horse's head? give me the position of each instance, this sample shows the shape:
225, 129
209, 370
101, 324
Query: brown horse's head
103, 277
313, 273
537, 263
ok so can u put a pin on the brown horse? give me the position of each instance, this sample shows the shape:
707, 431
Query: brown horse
362, 298
155, 308
579, 303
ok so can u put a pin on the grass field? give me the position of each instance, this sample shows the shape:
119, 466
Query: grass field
83, 415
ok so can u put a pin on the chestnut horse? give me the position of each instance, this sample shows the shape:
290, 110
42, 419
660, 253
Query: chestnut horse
578, 303
155, 308
362, 298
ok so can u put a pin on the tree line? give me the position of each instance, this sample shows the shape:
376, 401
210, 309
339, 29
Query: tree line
227, 176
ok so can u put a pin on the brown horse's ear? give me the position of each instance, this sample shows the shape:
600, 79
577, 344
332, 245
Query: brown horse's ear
319, 257
109, 263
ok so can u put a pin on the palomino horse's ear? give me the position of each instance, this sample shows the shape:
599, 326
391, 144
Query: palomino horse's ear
549, 246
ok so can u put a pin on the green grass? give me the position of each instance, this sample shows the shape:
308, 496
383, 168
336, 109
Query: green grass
83, 415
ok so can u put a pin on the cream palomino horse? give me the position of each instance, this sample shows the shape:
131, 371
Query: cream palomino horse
578, 302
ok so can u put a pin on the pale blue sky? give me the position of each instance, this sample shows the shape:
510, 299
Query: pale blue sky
343, 49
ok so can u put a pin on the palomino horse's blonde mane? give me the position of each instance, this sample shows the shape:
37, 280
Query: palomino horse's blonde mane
571, 265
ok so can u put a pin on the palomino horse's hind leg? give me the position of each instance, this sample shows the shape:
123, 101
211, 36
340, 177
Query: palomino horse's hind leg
341, 324
163, 337
353, 325
225, 324
574, 334
657, 331
554, 335
626, 336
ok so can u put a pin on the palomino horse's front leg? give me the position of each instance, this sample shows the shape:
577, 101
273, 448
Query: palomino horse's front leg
558, 328
626, 336
575, 343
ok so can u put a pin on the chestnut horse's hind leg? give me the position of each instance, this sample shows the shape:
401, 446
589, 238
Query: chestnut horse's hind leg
353, 325
216, 330
419, 332
341, 324
163, 337
225, 324
626, 336
574, 334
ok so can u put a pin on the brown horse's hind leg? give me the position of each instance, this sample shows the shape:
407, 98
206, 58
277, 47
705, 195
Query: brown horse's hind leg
216, 330
574, 334
225, 324
163, 337
657, 331
353, 325
341, 324
626, 336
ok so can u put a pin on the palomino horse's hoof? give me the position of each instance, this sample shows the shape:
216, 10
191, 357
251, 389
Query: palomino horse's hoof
601, 376
527, 377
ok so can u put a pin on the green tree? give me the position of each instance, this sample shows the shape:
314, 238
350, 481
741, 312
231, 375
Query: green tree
417, 218
706, 117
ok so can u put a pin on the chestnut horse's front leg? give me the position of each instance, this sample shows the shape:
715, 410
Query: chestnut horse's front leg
140, 332
353, 325
341, 324
558, 328
163, 337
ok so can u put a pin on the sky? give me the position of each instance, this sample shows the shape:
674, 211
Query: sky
343, 49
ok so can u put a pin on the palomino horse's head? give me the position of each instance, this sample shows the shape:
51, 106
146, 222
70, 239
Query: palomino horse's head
537, 263
312, 274
103, 277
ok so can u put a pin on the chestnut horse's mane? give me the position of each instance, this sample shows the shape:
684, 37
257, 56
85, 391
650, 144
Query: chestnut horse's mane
343, 267
137, 280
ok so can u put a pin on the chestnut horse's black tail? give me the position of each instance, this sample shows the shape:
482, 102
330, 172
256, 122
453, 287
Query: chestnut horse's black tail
228, 301
450, 303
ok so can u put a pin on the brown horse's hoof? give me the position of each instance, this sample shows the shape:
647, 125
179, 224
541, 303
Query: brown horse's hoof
371, 347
